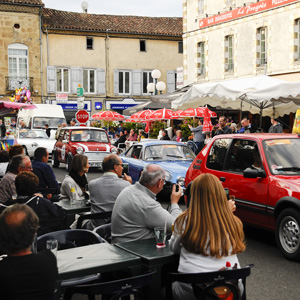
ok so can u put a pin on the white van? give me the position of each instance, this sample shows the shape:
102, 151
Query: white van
50, 114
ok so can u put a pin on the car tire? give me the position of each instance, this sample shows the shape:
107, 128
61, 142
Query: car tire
54, 160
288, 233
68, 162
26, 151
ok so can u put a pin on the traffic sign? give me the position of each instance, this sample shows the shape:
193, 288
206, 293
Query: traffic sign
79, 92
82, 116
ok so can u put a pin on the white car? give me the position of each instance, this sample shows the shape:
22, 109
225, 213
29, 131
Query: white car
34, 138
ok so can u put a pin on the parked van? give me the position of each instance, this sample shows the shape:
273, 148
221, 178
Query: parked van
50, 114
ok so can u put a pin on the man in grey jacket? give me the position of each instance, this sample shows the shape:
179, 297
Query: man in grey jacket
105, 190
136, 211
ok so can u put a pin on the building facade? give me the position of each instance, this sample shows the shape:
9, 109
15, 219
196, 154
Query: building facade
52, 52
225, 39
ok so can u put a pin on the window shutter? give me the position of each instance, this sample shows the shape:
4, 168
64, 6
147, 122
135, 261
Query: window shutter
51, 80
100, 81
76, 78
258, 51
226, 52
201, 7
136, 82
116, 82
296, 40
170, 81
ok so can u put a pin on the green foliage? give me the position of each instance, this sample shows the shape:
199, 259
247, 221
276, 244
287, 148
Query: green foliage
186, 132
155, 128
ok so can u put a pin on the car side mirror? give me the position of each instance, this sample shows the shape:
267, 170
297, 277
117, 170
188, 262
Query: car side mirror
254, 173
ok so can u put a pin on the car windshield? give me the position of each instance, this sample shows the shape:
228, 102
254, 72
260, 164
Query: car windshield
89, 135
32, 134
40, 122
168, 152
283, 156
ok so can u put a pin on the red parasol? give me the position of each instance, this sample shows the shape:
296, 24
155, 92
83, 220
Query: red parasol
161, 114
197, 112
142, 115
176, 114
108, 116
131, 121
207, 125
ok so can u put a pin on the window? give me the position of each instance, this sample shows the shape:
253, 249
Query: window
142, 45
261, 46
147, 78
89, 81
201, 7
62, 80
200, 59
217, 154
297, 40
89, 43
124, 82
180, 47
18, 61
229, 3
228, 53
243, 154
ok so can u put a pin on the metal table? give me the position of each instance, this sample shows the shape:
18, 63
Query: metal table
92, 259
72, 210
152, 259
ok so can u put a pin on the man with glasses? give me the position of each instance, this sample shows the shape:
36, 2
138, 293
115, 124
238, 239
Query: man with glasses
136, 211
19, 163
105, 190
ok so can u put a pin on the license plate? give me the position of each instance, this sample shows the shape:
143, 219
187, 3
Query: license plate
96, 164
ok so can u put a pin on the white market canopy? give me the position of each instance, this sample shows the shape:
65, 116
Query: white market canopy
264, 95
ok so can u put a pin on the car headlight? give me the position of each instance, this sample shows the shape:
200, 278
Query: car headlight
79, 150
114, 150
181, 181
168, 176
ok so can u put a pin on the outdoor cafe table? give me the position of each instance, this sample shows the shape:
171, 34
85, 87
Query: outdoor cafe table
72, 210
93, 259
152, 259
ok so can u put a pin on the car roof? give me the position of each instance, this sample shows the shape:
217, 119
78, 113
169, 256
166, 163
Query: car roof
259, 136
83, 127
158, 142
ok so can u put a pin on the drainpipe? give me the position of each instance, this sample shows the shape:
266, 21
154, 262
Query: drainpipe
41, 50
107, 83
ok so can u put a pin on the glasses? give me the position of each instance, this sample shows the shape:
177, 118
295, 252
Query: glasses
28, 168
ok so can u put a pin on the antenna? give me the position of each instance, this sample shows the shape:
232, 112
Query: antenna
84, 6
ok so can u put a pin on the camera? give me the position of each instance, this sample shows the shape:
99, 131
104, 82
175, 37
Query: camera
227, 193
125, 169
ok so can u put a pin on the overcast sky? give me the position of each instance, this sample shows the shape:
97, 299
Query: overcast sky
153, 8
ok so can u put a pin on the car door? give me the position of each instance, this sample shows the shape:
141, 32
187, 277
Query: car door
133, 158
227, 159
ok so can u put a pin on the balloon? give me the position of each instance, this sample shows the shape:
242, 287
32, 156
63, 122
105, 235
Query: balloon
24, 92
25, 98
17, 97
22, 99
28, 94
12, 99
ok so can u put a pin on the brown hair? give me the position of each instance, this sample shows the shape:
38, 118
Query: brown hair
78, 163
15, 150
208, 226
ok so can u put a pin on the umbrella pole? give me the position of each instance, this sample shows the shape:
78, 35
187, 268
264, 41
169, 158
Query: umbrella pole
241, 112
260, 116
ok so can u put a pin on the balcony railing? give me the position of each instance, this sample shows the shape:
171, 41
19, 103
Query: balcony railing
12, 83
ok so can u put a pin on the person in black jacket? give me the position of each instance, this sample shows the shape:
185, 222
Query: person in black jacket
121, 140
51, 216
3, 130
165, 135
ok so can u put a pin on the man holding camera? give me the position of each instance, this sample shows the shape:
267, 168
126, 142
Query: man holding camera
105, 190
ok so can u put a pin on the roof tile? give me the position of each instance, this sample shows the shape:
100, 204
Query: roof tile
31, 2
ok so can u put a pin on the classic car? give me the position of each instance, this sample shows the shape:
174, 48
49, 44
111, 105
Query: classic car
173, 157
91, 141
32, 139
262, 171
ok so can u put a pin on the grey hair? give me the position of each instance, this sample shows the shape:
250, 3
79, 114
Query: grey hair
151, 175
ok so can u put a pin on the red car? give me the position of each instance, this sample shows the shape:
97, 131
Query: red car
91, 141
262, 171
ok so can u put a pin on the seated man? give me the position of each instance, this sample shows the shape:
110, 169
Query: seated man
105, 190
43, 171
24, 275
136, 211
19, 163
51, 216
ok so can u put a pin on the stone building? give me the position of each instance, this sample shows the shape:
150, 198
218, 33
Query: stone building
225, 39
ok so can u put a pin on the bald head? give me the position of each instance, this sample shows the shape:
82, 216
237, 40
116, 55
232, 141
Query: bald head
151, 175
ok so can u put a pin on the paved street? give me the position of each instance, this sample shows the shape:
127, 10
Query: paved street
273, 277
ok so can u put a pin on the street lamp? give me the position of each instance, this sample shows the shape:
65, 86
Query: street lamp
156, 86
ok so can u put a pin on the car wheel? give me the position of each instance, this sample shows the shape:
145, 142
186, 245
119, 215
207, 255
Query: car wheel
26, 151
54, 160
288, 233
68, 163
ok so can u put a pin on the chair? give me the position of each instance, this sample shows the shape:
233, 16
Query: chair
104, 231
115, 289
205, 285
96, 216
71, 238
